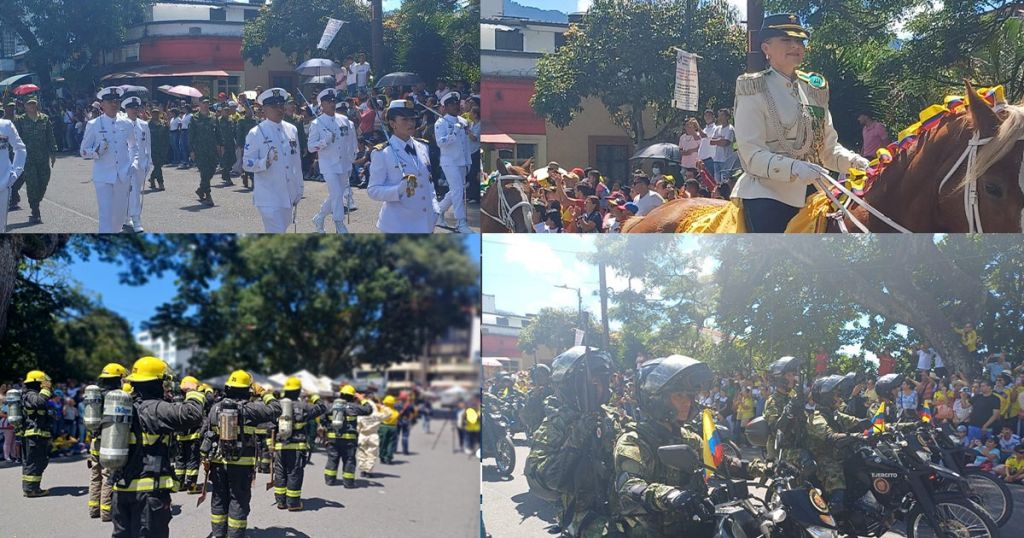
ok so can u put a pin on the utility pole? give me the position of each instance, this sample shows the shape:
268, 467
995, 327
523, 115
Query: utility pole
755, 17
603, 281
579, 309
377, 36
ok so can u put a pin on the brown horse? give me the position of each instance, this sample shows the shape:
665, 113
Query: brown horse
936, 186
506, 205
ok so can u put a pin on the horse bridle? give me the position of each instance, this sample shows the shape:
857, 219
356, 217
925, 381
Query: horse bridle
971, 206
505, 210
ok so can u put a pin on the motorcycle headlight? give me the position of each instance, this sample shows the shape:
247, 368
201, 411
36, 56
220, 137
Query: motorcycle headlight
821, 532
777, 516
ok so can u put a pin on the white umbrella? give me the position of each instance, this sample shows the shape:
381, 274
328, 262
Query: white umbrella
249, 94
542, 174
185, 91
318, 66
490, 361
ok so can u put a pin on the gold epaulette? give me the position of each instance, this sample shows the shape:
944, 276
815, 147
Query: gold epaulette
380, 147
424, 140
751, 83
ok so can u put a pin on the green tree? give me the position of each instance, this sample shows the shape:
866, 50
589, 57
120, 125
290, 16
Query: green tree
622, 53
72, 34
438, 39
295, 27
554, 329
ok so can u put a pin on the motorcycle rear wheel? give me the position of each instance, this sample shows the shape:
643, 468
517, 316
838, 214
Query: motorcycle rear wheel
505, 456
958, 518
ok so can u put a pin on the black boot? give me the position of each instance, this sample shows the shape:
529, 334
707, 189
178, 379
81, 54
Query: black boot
35, 218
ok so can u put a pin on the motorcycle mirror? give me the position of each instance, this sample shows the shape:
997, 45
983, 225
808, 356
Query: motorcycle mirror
679, 457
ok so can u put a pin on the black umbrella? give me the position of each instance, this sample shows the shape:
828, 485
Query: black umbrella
400, 78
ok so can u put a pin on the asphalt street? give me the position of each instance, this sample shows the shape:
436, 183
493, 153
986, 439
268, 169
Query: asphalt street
70, 205
510, 510
432, 492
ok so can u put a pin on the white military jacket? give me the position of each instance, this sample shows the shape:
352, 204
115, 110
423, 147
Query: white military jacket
113, 146
278, 184
450, 133
403, 212
779, 122
334, 140
10, 170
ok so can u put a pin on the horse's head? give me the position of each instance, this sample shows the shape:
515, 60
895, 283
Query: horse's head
999, 167
507, 203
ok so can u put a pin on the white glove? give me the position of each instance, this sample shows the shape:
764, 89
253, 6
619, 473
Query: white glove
860, 163
806, 172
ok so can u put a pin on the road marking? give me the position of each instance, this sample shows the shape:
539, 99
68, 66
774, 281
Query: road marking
66, 208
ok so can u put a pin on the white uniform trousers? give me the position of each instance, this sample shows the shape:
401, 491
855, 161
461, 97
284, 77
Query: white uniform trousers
339, 191
456, 197
112, 202
276, 219
5, 200
138, 181
237, 168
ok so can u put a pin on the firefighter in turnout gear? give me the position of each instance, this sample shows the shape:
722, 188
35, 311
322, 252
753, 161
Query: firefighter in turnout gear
187, 457
143, 423
388, 431
343, 436
229, 445
292, 448
35, 433
100, 490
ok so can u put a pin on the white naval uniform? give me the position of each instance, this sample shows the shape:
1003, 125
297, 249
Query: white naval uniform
774, 130
9, 170
334, 141
402, 213
111, 143
138, 179
450, 133
278, 187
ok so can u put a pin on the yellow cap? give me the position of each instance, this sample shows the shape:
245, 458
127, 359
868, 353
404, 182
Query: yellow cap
148, 369
127, 387
35, 375
292, 383
187, 379
113, 370
348, 389
389, 401
239, 379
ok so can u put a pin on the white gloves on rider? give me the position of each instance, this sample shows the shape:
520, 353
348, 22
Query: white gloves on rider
805, 172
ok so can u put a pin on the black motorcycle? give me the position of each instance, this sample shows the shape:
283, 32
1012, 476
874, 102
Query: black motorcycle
985, 489
496, 442
799, 512
888, 481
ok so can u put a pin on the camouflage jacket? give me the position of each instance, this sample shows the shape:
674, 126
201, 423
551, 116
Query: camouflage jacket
37, 135
226, 133
571, 454
203, 137
642, 481
532, 413
774, 407
161, 140
821, 431
242, 128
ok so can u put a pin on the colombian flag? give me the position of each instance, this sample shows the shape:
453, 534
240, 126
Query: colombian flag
714, 453
931, 116
926, 411
878, 422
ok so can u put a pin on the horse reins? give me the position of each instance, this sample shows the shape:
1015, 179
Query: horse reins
505, 210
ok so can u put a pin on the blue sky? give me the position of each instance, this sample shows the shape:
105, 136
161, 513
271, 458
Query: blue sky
139, 303
570, 6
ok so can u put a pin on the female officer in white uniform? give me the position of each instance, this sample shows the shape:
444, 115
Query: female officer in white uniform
784, 130
400, 176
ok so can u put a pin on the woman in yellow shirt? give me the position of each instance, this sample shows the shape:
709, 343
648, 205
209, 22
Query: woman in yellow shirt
744, 411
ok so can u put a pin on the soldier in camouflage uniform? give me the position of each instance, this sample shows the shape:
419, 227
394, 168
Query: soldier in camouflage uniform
570, 461
653, 498
160, 137
784, 411
204, 143
828, 440
36, 131
532, 413
242, 128
226, 133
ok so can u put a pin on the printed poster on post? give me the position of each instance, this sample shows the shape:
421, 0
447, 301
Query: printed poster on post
687, 90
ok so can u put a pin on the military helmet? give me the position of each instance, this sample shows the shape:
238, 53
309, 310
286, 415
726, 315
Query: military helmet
783, 366
540, 373
675, 373
503, 379
292, 383
887, 384
849, 381
36, 376
113, 370
148, 369
641, 375
757, 432
348, 390
577, 372
824, 389
239, 379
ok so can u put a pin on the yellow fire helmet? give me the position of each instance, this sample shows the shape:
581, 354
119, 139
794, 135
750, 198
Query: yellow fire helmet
148, 369
389, 401
113, 370
348, 389
239, 379
127, 387
205, 388
187, 379
292, 383
36, 376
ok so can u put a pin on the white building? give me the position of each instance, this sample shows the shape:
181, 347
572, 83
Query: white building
167, 350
